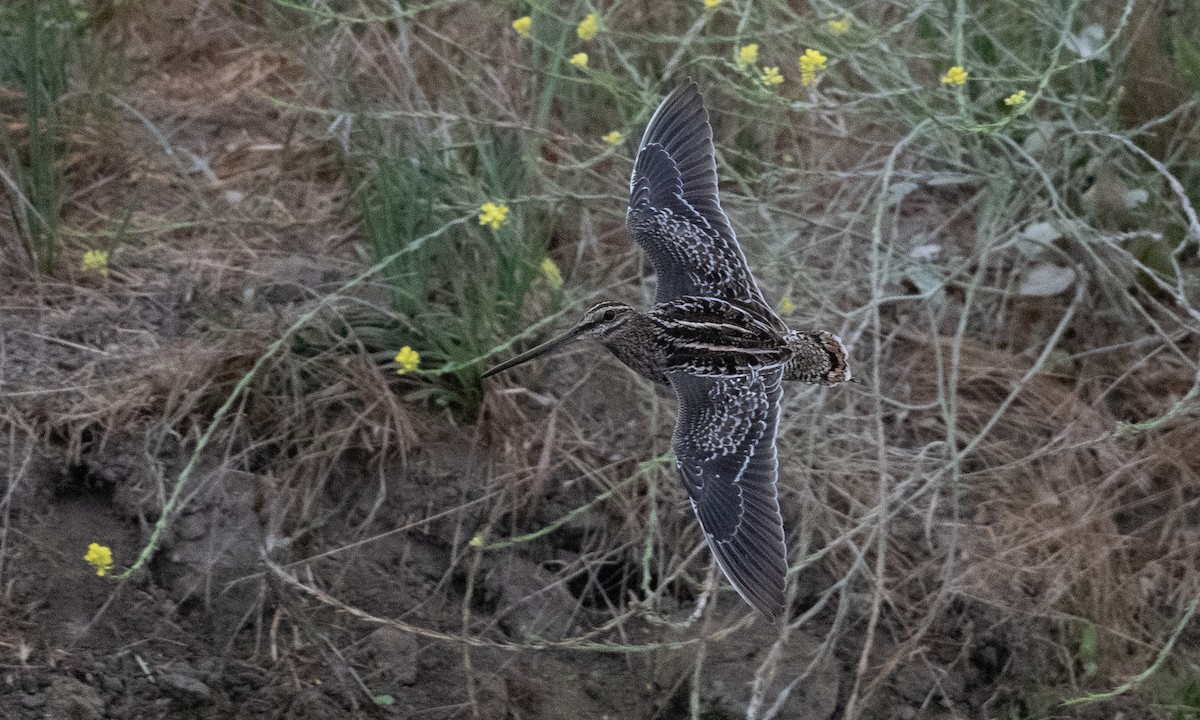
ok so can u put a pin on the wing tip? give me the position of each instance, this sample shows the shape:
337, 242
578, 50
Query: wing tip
685, 94
771, 609
688, 86
767, 598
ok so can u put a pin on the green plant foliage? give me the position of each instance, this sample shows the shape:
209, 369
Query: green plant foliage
1186, 52
1187, 700
459, 294
1088, 649
35, 40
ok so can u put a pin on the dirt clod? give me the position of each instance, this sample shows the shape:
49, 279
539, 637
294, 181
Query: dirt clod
70, 699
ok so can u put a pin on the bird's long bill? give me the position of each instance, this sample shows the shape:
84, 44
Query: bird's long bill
547, 347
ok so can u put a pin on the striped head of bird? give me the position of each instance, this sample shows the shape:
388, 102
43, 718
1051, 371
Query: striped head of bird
608, 322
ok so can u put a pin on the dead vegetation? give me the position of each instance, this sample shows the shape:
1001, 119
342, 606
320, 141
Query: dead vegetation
1004, 516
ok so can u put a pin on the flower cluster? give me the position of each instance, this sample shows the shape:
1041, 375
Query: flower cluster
96, 261
616, 137
769, 76
587, 28
552, 274
747, 63
710, 4
810, 62
747, 57
407, 360
958, 75
840, 26
100, 557
955, 76
493, 215
523, 26
1020, 97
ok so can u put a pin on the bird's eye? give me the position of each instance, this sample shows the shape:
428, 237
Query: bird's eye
610, 315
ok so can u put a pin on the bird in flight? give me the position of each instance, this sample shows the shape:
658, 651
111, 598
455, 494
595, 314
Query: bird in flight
713, 339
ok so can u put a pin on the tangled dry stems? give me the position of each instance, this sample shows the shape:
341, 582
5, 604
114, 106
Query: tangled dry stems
977, 469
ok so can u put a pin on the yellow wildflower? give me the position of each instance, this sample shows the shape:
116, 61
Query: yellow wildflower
476, 541
492, 214
955, 76
710, 4
840, 26
616, 137
786, 306
579, 60
407, 360
747, 57
523, 26
552, 274
770, 76
99, 556
587, 28
1017, 98
810, 62
96, 260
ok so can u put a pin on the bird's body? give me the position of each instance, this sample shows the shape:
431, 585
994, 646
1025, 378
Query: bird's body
711, 337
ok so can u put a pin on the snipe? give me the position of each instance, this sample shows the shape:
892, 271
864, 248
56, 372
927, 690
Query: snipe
712, 338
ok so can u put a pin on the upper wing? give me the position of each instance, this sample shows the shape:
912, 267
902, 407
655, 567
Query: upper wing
725, 451
674, 212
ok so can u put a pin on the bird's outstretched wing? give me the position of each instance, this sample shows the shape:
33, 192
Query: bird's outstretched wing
674, 212
725, 451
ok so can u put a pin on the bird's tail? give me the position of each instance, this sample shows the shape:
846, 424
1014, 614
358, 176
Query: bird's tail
819, 358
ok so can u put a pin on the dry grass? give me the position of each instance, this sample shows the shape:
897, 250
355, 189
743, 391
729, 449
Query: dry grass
961, 524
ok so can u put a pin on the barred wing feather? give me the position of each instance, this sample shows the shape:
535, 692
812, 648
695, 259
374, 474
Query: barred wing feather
725, 451
674, 212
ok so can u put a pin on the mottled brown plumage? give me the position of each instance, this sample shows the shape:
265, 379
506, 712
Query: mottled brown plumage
712, 337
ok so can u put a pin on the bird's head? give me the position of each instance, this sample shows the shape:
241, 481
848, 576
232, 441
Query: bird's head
603, 321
